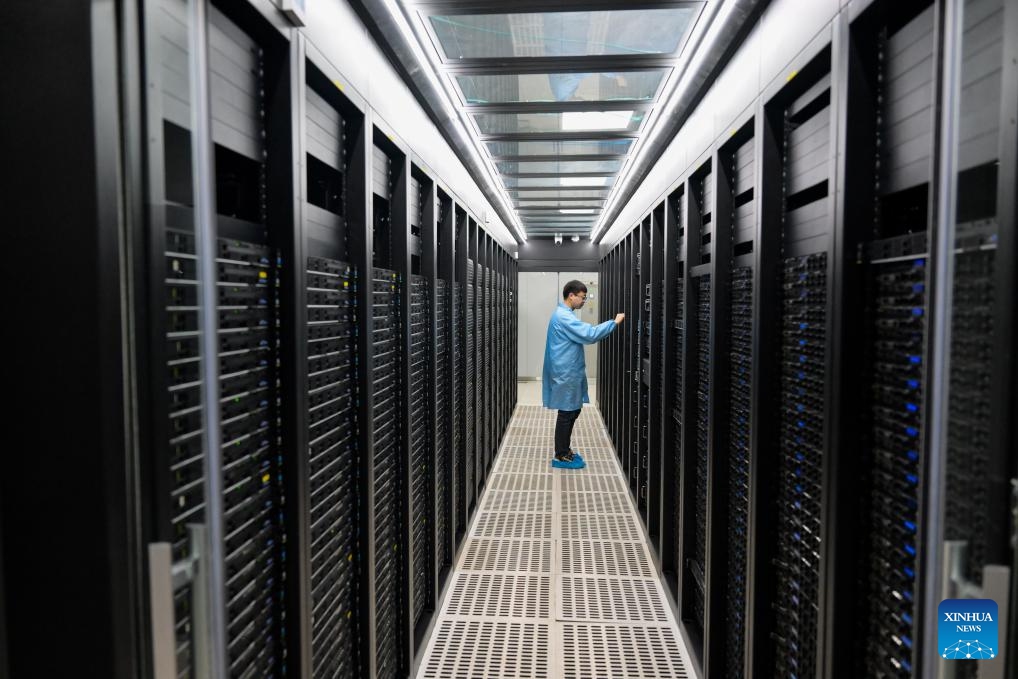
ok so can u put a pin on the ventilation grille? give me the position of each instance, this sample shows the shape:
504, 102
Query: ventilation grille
507, 556
599, 527
610, 599
499, 525
497, 595
463, 649
592, 651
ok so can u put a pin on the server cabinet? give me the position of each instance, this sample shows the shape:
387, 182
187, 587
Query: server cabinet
445, 432
734, 488
796, 238
651, 483
697, 397
674, 365
220, 218
389, 433
463, 471
328, 628
641, 366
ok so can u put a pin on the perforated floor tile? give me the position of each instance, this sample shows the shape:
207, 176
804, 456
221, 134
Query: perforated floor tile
520, 482
508, 525
517, 501
595, 651
600, 527
555, 579
595, 503
464, 649
516, 464
619, 559
594, 484
610, 600
506, 556
497, 595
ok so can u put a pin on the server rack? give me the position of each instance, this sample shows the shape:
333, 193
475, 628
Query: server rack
389, 425
271, 424
651, 484
217, 427
734, 275
326, 492
641, 422
427, 479
462, 473
445, 495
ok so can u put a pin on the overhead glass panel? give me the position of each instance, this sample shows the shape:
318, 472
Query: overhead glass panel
562, 34
568, 193
558, 219
551, 87
524, 204
549, 182
560, 148
561, 167
571, 121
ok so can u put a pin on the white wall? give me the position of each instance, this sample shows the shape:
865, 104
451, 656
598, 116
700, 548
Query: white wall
336, 33
786, 28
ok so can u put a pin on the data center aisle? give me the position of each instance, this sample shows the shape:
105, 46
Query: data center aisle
555, 578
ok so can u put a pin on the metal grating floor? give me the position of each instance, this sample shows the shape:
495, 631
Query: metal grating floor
555, 578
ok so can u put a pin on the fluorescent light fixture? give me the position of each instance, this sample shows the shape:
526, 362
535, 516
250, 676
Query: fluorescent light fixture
584, 121
577, 212
584, 181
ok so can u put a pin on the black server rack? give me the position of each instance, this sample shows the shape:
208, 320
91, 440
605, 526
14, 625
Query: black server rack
651, 483
795, 243
634, 302
470, 381
674, 371
734, 260
332, 465
388, 390
643, 362
445, 381
460, 398
421, 445
698, 388
328, 538
248, 466
891, 276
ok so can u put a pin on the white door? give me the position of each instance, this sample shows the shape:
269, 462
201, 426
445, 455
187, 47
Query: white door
539, 294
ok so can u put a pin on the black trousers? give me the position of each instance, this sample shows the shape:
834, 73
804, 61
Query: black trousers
564, 430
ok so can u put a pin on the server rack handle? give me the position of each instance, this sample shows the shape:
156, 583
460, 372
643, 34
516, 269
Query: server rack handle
165, 579
996, 586
160, 586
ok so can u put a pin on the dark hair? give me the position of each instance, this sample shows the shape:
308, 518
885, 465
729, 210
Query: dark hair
573, 288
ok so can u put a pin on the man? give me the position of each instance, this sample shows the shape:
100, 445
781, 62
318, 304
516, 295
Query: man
565, 371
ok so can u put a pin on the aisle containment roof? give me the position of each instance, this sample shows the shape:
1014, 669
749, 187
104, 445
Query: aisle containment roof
553, 98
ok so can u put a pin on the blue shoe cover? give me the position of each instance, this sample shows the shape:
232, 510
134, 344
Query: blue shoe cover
576, 463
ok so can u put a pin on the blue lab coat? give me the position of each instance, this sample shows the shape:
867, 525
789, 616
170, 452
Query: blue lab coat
565, 371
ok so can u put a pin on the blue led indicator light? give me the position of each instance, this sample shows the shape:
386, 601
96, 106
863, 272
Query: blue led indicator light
912, 407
